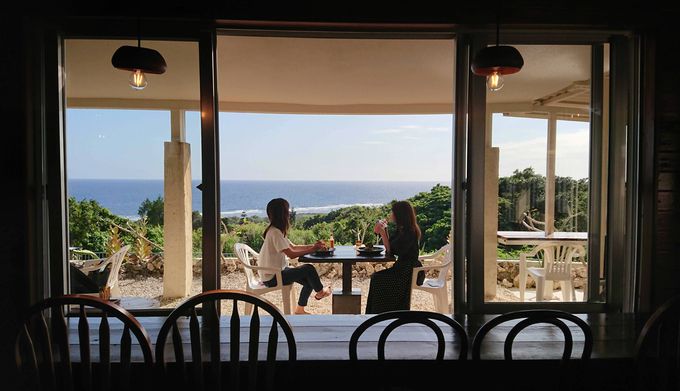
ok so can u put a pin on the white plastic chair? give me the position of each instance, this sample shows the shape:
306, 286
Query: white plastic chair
557, 260
115, 260
255, 285
435, 286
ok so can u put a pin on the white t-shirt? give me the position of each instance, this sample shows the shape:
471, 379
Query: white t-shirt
271, 254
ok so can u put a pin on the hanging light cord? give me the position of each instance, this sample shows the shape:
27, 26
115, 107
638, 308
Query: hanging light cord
139, 33
498, 29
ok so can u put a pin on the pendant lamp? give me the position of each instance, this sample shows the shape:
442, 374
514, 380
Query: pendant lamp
496, 61
139, 61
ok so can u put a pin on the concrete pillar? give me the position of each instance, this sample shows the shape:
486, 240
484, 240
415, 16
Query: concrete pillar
177, 272
491, 222
550, 176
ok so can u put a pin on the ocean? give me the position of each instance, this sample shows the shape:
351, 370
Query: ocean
123, 197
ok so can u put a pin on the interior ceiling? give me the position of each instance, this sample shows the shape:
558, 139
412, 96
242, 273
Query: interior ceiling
311, 75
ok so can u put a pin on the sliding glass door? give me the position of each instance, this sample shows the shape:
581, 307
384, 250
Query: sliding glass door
539, 180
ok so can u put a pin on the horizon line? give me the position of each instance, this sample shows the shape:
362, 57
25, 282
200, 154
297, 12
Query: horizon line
268, 180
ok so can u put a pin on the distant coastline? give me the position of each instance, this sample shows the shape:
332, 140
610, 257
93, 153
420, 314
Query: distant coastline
123, 196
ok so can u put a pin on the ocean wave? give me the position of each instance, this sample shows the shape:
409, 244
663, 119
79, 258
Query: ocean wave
263, 213
303, 209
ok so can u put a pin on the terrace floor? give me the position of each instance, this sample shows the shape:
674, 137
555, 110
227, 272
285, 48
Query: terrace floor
147, 293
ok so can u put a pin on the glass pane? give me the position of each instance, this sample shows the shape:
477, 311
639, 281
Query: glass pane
339, 128
133, 160
538, 161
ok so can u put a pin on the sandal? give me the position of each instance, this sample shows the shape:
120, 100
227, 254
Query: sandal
325, 292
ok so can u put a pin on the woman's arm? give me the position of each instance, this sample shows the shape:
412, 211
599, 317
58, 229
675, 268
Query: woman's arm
294, 251
381, 229
302, 247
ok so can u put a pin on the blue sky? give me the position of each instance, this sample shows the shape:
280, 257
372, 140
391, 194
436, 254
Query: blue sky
128, 144
523, 143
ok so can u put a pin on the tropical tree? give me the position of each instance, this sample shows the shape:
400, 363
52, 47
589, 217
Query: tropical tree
433, 211
152, 210
89, 225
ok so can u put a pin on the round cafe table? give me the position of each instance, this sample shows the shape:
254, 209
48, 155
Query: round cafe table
346, 300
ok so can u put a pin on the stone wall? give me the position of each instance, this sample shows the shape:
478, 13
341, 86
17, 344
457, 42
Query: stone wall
507, 271
508, 275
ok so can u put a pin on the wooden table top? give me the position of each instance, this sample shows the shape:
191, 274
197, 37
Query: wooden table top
326, 337
538, 237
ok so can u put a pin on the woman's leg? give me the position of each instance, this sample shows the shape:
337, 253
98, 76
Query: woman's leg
306, 276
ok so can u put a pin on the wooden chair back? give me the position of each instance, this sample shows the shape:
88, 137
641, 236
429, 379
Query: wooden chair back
400, 318
657, 350
44, 357
204, 342
532, 317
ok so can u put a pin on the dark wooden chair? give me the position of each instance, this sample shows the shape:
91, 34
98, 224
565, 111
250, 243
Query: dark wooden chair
204, 335
546, 374
399, 374
43, 355
400, 318
532, 317
657, 350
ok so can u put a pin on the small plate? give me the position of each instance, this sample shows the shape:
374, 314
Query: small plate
375, 250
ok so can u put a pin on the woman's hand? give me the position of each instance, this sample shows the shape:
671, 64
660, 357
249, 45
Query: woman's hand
319, 245
380, 227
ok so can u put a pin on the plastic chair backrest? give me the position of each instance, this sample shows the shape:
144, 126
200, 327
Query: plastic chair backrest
243, 253
116, 262
557, 258
446, 263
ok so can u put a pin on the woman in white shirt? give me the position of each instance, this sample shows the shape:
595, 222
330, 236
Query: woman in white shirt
276, 250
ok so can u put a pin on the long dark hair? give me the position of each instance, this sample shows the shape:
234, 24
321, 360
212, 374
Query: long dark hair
279, 215
405, 218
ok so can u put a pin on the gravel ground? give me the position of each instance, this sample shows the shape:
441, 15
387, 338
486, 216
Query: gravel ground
153, 288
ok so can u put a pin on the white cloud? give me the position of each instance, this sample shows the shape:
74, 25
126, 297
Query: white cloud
389, 131
412, 129
572, 155
439, 129
373, 142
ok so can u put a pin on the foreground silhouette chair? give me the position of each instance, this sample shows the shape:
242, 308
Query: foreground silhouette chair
387, 379
254, 284
43, 355
400, 318
657, 350
205, 346
550, 377
532, 317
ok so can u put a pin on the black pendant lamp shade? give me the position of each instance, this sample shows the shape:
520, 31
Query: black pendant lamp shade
504, 60
133, 58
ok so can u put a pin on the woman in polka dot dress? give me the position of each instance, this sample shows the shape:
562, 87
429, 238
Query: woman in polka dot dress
390, 289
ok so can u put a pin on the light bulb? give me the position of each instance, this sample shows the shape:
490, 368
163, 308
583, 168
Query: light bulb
495, 81
138, 80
